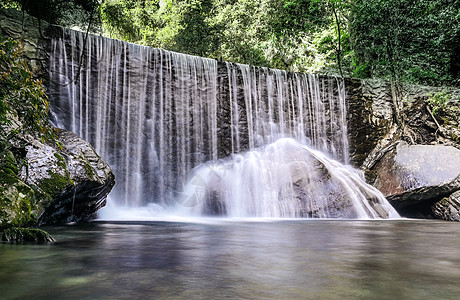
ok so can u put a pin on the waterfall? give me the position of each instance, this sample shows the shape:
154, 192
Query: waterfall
151, 114
283, 179
155, 115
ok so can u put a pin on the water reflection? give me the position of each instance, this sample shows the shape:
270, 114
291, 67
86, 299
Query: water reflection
238, 260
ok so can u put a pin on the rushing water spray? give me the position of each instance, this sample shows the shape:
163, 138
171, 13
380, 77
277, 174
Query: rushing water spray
283, 179
156, 115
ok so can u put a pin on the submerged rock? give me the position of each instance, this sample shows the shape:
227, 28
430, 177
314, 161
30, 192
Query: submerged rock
413, 177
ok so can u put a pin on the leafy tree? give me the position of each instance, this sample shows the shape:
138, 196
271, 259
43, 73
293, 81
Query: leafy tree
62, 12
171, 24
410, 41
129, 20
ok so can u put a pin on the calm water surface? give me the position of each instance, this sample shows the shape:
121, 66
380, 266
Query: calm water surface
213, 259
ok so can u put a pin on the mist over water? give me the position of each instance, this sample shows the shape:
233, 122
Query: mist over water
282, 179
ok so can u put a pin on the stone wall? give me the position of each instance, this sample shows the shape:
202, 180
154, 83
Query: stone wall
29, 32
370, 116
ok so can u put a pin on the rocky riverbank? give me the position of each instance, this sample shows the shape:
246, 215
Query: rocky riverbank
415, 162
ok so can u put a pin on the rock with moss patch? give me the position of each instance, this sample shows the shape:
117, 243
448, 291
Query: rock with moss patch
17, 234
41, 184
83, 186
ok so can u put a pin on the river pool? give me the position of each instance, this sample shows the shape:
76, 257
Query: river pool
238, 259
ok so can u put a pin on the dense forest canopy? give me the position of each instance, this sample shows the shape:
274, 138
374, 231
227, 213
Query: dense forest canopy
403, 40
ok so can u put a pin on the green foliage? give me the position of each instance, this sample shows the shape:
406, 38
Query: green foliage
62, 12
361, 71
439, 102
175, 25
17, 200
21, 95
8, 167
23, 108
299, 35
61, 160
410, 41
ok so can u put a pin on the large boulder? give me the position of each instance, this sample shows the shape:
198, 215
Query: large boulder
47, 184
91, 180
414, 177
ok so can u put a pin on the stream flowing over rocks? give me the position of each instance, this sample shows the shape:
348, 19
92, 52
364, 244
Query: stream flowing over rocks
283, 179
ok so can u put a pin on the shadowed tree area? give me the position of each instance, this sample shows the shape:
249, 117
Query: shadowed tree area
406, 41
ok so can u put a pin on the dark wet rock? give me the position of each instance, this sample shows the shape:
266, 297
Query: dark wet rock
427, 123
448, 208
413, 177
423, 127
370, 116
214, 204
26, 235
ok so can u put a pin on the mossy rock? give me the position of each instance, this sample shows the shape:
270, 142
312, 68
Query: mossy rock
89, 171
17, 199
18, 234
455, 138
8, 168
61, 160
17, 205
56, 183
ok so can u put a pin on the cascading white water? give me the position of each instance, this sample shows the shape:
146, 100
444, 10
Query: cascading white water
283, 179
155, 115
150, 113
